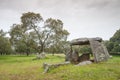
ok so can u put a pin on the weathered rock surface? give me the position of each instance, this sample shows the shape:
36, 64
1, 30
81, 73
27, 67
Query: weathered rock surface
84, 63
84, 57
99, 51
74, 57
47, 67
68, 56
40, 56
84, 41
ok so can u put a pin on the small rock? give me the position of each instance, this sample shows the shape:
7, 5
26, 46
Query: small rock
84, 63
110, 56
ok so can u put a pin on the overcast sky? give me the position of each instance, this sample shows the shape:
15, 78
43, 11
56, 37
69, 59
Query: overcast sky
82, 18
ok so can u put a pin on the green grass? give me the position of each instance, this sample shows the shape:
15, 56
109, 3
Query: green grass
24, 68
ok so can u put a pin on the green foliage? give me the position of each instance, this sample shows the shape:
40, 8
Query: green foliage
21, 40
5, 46
116, 37
82, 48
109, 45
2, 33
113, 44
36, 34
11, 69
85, 49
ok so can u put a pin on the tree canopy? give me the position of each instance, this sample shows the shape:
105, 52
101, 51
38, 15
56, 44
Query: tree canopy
37, 34
5, 46
113, 44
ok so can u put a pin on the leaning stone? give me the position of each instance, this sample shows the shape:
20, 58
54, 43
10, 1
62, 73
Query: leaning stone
100, 53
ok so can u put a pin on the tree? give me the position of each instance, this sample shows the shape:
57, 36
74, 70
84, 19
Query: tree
21, 39
5, 46
30, 21
116, 37
49, 32
2, 33
109, 45
57, 35
38, 35
113, 44
60, 47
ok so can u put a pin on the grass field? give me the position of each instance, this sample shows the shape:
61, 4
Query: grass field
24, 68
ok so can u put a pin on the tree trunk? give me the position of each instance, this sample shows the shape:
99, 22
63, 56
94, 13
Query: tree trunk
1, 53
40, 53
41, 49
28, 52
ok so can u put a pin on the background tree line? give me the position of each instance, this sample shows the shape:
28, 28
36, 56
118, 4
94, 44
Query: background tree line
36, 35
